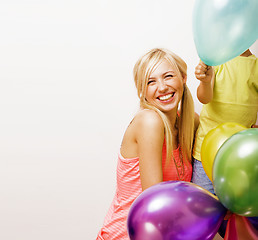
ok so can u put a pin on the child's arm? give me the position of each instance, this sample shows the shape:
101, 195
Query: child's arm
256, 124
205, 74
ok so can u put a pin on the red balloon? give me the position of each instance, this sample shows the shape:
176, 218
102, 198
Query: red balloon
239, 227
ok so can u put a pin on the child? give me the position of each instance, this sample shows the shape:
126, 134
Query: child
229, 93
157, 145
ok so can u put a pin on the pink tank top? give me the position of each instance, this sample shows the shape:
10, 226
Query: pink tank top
129, 188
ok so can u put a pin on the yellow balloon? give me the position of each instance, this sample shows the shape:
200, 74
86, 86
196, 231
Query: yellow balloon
213, 141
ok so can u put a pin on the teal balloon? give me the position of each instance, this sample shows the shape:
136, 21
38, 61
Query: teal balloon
235, 173
224, 29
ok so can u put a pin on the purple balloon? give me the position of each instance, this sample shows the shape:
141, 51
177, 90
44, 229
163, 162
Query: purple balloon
175, 210
254, 221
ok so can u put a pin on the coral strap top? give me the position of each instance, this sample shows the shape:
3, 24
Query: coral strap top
129, 188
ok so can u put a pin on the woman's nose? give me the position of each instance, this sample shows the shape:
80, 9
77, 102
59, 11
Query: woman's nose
162, 86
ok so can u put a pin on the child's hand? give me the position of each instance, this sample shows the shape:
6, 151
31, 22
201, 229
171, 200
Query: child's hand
204, 72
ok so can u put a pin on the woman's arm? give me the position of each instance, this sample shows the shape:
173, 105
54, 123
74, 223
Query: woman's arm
150, 139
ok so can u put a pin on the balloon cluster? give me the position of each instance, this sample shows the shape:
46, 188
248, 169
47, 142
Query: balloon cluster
181, 210
230, 158
229, 155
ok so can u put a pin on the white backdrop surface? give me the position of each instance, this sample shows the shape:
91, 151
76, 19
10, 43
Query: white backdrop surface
66, 97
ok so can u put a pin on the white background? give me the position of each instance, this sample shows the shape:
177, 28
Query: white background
66, 97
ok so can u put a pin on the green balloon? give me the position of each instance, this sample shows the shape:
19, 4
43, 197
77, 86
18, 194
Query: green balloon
235, 173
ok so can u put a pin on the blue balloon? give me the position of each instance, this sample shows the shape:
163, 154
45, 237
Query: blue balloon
224, 29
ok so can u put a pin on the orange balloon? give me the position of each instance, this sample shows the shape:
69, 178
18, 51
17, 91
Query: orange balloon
213, 141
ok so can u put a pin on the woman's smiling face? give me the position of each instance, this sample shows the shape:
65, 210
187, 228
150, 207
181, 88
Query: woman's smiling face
165, 87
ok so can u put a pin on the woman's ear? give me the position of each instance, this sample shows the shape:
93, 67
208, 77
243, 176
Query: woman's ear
184, 79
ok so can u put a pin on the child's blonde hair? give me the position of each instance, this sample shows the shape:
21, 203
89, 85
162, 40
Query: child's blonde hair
142, 70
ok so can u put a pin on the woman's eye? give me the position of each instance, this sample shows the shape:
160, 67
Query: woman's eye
169, 76
150, 81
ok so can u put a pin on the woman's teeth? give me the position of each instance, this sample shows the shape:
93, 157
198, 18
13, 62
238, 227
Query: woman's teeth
166, 97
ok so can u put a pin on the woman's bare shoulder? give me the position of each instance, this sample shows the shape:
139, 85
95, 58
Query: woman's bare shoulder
146, 126
146, 118
145, 123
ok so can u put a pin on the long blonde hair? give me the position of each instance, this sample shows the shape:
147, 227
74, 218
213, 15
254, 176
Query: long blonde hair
142, 70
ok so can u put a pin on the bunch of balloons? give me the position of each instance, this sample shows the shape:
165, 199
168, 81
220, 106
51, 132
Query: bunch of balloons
181, 210
230, 158
229, 155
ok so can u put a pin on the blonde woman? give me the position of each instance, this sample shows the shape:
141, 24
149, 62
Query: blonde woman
157, 144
